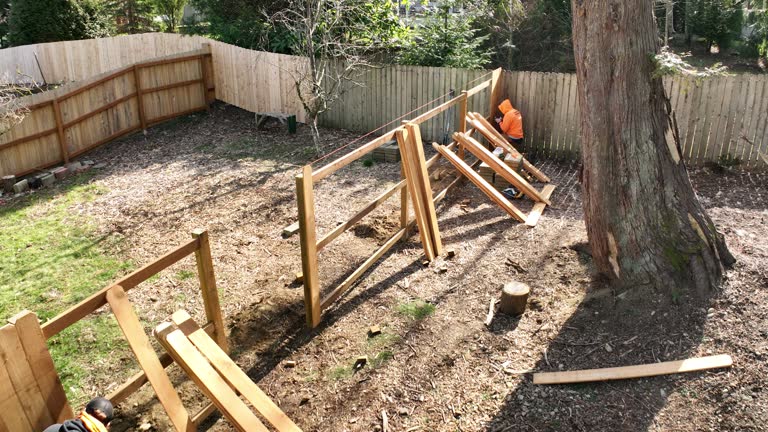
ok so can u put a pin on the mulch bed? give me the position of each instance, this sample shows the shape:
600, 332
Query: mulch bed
448, 371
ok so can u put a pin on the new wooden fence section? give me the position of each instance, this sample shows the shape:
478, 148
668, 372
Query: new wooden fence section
32, 394
311, 243
64, 123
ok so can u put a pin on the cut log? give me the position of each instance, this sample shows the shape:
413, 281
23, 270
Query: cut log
514, 297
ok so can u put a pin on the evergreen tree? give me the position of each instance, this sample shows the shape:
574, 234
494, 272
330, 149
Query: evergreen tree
171, 12
132, 16
717, 21
36, 21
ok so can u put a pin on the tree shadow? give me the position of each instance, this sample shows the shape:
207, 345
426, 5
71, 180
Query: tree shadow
605, 331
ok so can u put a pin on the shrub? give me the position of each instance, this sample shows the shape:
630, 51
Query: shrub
717, 21
36, 21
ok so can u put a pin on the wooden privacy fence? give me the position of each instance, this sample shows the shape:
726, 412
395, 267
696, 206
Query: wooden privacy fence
64, 123
305, 196
32, 395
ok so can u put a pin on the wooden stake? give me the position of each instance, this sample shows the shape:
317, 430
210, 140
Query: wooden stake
462, 120
305, 196
208, 287
637, 371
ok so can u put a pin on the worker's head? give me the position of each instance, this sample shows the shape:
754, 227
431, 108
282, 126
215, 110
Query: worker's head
101, 409
506, 106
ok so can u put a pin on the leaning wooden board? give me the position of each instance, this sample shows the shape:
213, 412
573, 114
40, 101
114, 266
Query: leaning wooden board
637, 371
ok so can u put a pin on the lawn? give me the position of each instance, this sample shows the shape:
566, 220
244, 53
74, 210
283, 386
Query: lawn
51, 257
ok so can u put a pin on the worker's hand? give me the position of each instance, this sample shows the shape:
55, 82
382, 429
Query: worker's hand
498, 119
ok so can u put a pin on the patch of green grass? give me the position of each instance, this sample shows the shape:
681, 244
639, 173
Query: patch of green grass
50, 258
368, 163
183, 275
341, 372
381, 358
417, 309
384, 340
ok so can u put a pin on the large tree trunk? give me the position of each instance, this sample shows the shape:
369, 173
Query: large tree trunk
646, 226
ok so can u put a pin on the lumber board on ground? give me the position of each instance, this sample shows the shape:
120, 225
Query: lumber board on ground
475, 178
39, 358
499, 167
538, 208
207, 379
491, 134
232, 374
291, 230
411, 177
636, 371
147, 358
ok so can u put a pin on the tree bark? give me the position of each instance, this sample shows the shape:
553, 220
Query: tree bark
646, 227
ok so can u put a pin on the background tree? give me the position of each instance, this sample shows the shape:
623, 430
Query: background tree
171, 12
647, 229
35, 21
244, 23
543, 40
717, 21
339, 39
5, 9
132, 16
447, 39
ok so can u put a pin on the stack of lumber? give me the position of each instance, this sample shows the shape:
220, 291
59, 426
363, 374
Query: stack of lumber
419, 188
389, 152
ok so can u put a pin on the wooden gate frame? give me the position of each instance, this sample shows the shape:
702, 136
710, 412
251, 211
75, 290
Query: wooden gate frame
305, 197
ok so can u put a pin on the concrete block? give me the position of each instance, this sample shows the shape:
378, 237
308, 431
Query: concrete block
21, 187
48, 180
60, 173
88, 163
74, 166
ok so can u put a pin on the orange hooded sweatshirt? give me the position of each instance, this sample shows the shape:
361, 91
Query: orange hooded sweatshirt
512, 124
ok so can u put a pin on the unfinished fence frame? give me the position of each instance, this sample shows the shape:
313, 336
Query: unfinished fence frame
305, 197
200, 247
138, 94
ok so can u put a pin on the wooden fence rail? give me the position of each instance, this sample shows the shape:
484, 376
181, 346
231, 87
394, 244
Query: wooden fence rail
305, 196
64, 123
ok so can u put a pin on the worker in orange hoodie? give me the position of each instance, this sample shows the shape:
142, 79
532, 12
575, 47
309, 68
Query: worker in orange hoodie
511, 124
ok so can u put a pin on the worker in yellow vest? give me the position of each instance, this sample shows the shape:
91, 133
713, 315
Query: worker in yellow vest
511, 124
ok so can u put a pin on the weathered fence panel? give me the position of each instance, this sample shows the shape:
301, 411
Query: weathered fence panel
70, 120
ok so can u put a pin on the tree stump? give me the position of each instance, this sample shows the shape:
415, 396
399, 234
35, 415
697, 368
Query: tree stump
514, 297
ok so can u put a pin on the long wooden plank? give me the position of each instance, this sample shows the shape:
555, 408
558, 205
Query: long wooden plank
147, 358
98, 299
232, 374
538, 208
417, 151
637, 371
39, 358
480, 124
173, 85
28, 138
352, 156
347, 283
305, 197
22, 379
486, 188
416, 198
207, 379
103, 108
500, 167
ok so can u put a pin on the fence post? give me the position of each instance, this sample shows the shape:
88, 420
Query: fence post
403, 203
208, 287
462, 120
204, 75
60, 130
139, 98
305, 196
495, 89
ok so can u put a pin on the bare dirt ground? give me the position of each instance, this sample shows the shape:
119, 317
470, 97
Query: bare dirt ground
445, 370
